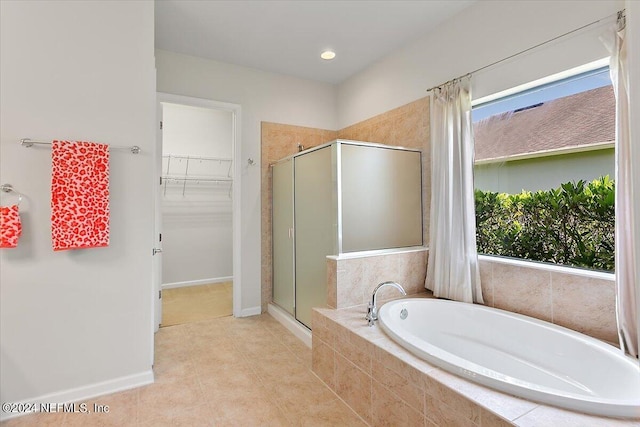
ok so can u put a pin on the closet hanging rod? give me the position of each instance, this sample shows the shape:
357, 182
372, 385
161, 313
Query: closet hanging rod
175, 156
28, 142
177, 178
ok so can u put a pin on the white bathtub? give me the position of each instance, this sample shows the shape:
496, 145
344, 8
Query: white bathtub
516, 354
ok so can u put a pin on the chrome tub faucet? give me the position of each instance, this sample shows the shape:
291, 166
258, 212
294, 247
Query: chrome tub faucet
372, 309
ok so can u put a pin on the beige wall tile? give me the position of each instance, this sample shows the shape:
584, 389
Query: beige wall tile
387, 409
332, 283
486, 281
379, 269
522, 290
406, 130
323, 328
586, 305
402, 386
391, 355
323, 362
398, 360
436, 392
364, 133
354, 387
443, 414
350, 282
583, 304
413, 266
382, 131
408, 269
354, 348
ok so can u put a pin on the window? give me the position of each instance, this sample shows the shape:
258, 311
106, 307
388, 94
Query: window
544, 169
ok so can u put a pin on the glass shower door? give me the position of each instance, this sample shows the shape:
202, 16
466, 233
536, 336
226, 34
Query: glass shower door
282, 232
316, 228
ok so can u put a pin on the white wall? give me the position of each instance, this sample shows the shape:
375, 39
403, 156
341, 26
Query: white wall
196, 216
263, 96
478, 36
76, 319
195, 130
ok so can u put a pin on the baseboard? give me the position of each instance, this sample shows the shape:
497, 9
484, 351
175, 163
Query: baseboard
87, 392
297, 329
251, 311
197, 282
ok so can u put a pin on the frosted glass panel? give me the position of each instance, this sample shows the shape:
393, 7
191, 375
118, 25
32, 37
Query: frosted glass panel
381, 198
316, 230
282, 220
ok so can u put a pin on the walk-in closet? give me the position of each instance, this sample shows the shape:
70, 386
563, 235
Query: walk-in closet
196, 209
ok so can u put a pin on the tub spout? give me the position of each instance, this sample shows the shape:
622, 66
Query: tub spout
372, 309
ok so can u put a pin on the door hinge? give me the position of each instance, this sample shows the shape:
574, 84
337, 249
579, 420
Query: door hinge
161, 125
160, 180
160, 237
159, 294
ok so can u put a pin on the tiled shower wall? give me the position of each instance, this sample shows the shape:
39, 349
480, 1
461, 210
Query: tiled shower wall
406, 126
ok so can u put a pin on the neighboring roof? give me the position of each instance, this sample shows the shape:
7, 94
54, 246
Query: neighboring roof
581, 121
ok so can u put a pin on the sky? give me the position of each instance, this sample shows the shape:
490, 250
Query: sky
570, 86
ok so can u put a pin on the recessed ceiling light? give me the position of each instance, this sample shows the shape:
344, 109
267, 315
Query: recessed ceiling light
328, 55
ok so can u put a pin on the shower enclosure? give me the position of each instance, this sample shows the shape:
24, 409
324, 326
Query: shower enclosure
334, 199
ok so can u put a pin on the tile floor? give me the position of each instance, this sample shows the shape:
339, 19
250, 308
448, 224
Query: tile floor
220, 372
196, 303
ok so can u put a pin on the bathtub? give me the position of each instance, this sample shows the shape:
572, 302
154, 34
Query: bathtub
517, 354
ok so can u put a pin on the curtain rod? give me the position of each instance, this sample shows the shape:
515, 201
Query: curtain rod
620, 15
28, 142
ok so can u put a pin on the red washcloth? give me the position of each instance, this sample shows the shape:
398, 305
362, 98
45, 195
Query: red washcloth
79, 195
10, 226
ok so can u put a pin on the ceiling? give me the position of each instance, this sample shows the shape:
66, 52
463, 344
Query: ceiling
288, 36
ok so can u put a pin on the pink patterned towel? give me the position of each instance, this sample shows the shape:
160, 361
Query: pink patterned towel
10, 226
79, 195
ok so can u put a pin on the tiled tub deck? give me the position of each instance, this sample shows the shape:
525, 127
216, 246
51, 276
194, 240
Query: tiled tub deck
387, 386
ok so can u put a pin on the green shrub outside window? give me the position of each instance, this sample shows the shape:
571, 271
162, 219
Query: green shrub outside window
571, 225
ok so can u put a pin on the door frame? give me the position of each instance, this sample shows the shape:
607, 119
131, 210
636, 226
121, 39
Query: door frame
235, 111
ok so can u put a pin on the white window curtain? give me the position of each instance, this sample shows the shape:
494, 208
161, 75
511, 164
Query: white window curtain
625, 246
452, 270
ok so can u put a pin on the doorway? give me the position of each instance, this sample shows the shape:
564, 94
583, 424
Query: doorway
197, 262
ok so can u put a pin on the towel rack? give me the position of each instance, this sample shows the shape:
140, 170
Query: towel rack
8, 188
28, 142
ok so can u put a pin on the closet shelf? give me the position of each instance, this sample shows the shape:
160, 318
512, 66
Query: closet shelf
196, 169
199, 158
193, 178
